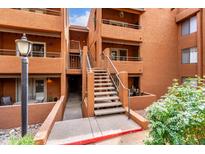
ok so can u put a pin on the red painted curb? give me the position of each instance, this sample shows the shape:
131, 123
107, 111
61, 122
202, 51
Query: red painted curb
101, 138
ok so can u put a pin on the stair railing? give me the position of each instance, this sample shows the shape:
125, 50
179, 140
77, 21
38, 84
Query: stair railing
114, 75
89, 68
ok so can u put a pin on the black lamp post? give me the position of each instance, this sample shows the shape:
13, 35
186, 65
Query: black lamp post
24, 46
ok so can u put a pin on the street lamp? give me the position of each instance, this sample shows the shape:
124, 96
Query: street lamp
24, 46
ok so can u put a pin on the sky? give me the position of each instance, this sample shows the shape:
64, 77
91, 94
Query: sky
79, 16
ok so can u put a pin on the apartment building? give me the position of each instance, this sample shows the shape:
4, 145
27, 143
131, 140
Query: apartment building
139, 49
46, 29
142, 42
190, 42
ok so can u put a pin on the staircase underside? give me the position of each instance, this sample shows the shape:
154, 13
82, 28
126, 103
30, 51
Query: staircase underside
106, 98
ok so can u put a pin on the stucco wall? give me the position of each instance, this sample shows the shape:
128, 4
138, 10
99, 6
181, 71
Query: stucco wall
11, 115
158, 50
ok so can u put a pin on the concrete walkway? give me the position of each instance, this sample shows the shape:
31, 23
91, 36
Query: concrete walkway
73, 107
70, 131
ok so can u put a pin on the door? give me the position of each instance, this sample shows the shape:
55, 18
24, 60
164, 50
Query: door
40, 89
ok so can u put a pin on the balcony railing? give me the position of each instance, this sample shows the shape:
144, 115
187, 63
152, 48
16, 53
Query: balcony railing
42, 11
121, 24
75, 45
11, 52
125, 58
74, 61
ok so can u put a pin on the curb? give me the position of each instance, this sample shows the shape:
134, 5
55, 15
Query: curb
101, 138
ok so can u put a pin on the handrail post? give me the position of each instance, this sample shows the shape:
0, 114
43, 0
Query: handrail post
90, 87
123, 91
129, 104
84, 71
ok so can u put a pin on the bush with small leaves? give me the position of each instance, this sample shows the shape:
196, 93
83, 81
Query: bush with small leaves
179, 118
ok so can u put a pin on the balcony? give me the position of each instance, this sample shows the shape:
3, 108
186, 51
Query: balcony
39, 19
11, 64
121, 30
132, 65
75, 46
74, 63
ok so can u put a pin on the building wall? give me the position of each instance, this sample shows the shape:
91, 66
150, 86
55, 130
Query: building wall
53, 88
94, 36
188, 41
158, 50
8, 88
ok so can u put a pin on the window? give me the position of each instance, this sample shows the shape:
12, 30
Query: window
193, 24
37, 90
118, 54
189, 26
39, 86
38, 49
189, 56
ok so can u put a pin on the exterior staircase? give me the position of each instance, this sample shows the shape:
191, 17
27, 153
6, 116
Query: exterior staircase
106, 97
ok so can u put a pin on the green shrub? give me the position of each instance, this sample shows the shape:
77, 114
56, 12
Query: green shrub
179, 118
26, 140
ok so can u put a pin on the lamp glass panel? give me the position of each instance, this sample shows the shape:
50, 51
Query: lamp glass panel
23, 47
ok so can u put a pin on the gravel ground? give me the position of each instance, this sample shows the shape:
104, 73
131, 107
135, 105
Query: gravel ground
5, 134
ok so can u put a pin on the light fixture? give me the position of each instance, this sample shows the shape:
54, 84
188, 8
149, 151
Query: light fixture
23, 46
49, 80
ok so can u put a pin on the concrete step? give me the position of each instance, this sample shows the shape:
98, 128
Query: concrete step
105, 93
104, 88
101, 74
103, 84
104, 105
106, 98
109, 111
104, 80
98, 70
102, 77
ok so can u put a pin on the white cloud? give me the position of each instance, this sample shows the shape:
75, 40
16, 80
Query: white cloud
80, 20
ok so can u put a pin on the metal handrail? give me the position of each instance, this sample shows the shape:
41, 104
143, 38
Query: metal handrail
123, 86
88, 64
12, 52
120, 23
76, 58
126, 58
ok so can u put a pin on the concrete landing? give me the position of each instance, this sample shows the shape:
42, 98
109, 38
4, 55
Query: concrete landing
73, 107
84, 130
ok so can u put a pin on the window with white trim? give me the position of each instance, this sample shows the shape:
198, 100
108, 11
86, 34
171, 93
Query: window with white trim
189, 26
189, 56
38, 49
